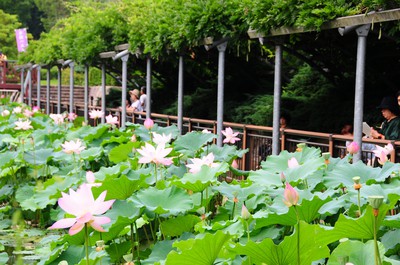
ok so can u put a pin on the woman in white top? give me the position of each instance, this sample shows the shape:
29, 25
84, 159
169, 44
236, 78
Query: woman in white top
136, 105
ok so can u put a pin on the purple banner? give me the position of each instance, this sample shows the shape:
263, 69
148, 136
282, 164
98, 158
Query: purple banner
22, 39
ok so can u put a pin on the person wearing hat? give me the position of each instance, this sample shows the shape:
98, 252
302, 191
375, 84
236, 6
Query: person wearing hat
135, 106
390, 129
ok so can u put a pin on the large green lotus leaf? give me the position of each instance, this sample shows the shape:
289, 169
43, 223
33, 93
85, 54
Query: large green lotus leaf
203, 250
177, 226
73, 255
313, 246
7, 138
6, 191
333, 206
121, 152
360, 228
277, 164
190, 143
263, 177
40, 196
55, 253
172, 130
7, 159
343, 174
241, 190
159, 253
233, 227
226, 152
117, 250
92, 153
88, 133
120, 188
3, 258
38, 156
392, 220
308, 211
358, 252
171, 200
110, 172
201, 180
391, 242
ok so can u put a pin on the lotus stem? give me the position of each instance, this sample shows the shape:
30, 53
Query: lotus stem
87, 243
359, 202
137, 242
132, 240
377, 255
298, 234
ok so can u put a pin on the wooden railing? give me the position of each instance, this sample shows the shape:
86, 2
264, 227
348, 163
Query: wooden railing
257, 139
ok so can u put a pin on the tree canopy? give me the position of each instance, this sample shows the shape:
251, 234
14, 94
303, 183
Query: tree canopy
167, 28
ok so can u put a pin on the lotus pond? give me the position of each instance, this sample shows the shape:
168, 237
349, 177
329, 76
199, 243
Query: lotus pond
77, 194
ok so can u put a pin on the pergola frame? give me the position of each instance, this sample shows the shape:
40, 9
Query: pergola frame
359, 23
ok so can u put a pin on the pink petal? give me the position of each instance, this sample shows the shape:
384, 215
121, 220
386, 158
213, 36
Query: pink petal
85, 218
98, 221
63, 223
76, 228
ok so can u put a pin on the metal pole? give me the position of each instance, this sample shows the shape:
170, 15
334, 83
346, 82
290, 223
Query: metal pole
362, 33
48, 90
38, 86
86, 95
59, 90
21, 96
123, 96
277, 100
220, 97
148, 87
180, 95
103, 91
71, 87
30, 86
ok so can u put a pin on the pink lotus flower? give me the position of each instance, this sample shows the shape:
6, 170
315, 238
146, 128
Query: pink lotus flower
17, 110
57, 118
291, 197
73, 147
5, 113
155, 155
72, 116
230, 136
36, 109
112, 120
23, 125
161, 139
197, 163
28, 113
133, 138
96, 114
292, 163
148, 123
84, 207
235, 164
353, 148
91, 179
245, 212
382, 153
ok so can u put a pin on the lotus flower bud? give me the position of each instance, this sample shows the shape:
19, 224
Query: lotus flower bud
148, 124
291, 197
353, 148
245, 213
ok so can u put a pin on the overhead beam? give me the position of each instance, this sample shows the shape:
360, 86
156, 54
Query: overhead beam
362, 19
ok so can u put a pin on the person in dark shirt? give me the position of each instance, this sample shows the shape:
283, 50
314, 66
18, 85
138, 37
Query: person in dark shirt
390, 129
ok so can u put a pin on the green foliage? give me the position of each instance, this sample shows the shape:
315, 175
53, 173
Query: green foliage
8, 23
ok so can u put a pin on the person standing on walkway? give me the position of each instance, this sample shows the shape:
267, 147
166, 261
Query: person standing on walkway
390, 129
143, 98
